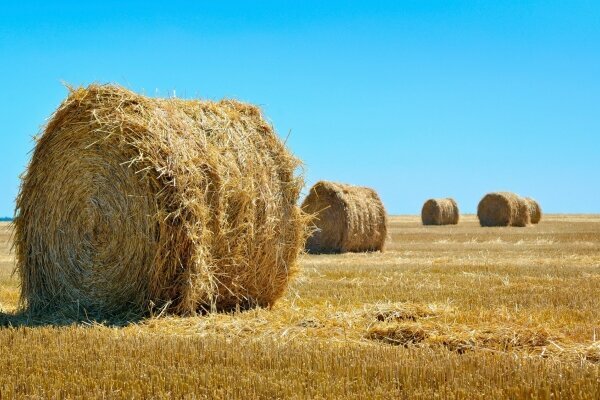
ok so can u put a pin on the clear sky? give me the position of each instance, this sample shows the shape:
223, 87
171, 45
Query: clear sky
416, 99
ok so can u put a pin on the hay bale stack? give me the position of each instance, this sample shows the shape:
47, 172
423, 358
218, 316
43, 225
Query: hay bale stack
535, 211
347, 219
440, 212
503, 209
132, 202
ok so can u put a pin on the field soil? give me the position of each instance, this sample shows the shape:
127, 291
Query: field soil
453, 312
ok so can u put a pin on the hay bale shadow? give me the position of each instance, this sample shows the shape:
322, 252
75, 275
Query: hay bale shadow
30, 319
77, 316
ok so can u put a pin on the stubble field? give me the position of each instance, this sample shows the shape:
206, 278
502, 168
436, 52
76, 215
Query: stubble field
454, 312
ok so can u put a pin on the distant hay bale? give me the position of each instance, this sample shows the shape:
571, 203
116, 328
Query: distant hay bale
535, 210
503, 209
132, 202
440, 212
347, 219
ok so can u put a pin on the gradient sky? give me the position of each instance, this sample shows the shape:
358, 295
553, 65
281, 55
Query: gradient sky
416, 99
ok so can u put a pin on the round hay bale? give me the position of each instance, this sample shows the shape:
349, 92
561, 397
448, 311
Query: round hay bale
535, 210
346, 219
132, 202
503, 209
440, 212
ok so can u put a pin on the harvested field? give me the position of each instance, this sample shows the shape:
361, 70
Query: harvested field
456, 311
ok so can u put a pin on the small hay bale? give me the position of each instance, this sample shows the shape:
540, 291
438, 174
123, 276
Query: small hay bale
503, 209
535, 210
347, 219
440, 212
132, 203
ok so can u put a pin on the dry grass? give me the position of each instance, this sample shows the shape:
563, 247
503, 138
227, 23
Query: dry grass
534, 210
133, 203
503, 209
440, 212
457, 312
347, 218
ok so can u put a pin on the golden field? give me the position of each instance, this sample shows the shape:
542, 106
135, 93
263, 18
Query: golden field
455, 312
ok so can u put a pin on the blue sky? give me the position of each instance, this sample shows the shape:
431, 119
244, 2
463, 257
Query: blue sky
417, 99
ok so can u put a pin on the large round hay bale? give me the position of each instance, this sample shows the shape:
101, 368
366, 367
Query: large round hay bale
535, 210
503, 209
346, 219
132, 202
440, 212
